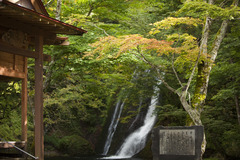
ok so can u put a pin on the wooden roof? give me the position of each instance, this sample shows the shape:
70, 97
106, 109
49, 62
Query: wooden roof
19, 17
35, 5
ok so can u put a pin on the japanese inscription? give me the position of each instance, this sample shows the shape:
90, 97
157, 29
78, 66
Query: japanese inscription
177, 142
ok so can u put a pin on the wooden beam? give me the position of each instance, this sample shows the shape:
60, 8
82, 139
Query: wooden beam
39, 7
18, 51
11, 73
22, 52
24, 105
29, 29
39, 146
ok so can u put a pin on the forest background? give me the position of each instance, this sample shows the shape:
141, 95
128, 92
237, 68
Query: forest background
156, 39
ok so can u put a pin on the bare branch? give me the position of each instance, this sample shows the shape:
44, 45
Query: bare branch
223, 3
235, 2
48, 3
165, 83
90, 10
173, 68
157, 69
218, 40
179, 81
94, 25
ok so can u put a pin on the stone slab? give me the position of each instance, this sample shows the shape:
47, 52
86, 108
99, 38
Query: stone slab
177, 143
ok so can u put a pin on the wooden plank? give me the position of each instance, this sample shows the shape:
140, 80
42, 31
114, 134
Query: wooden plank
19, 63
7, 145
6, 57
11, 73
20, 59
18, 51
19, 68
14, 62
6, 65
24, 105
39, 146
7, 158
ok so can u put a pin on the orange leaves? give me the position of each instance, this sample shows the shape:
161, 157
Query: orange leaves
130, 44
102, 47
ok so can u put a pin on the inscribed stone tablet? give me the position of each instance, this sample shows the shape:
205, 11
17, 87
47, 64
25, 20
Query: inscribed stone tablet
177, 142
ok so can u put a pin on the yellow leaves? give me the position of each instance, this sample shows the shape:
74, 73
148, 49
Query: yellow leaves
172, 22
177, 37
187, 41
188, 51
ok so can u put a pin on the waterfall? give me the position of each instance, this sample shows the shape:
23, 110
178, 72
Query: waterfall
136, 118
112, 127
136, 141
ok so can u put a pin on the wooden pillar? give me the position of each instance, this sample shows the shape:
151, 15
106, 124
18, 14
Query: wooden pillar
39, 146
24, 105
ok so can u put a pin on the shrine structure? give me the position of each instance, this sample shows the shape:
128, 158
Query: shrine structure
25, 27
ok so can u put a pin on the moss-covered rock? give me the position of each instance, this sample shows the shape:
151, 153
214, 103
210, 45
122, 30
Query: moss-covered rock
146, 153
75, 146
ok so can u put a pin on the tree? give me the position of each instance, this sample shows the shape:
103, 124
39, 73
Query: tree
203, 57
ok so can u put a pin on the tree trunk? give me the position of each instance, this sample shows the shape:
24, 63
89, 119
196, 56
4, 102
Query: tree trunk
237, 108
58, 9
206, 66
204, 69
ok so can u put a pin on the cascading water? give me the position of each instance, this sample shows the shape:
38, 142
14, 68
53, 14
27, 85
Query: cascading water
114, 122
136, 141
112, 127
137, 117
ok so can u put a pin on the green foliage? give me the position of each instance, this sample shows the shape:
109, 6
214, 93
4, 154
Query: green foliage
52, 141
230, 144
82, 82
10, 127
73, 145
170, 115
73, 103
9, 98
172, 22
203, 9
222, 135
10, 114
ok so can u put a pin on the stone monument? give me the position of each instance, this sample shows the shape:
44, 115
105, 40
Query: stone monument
177, 143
